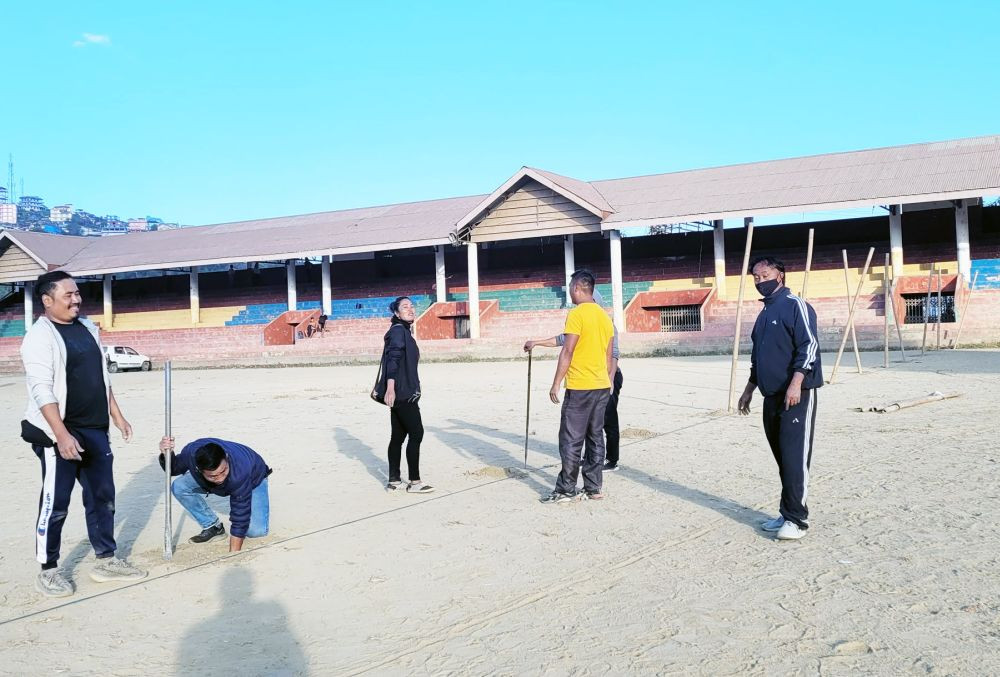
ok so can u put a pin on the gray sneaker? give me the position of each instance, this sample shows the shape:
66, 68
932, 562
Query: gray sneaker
773, 524
52, 583
112, 569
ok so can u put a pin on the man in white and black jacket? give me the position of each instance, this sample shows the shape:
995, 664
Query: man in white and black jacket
70, 407
785, 366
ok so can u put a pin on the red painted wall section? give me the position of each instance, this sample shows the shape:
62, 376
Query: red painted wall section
914, 284
438, 321
643, 315
281, 330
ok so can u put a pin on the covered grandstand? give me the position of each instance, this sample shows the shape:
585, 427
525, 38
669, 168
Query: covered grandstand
207, 292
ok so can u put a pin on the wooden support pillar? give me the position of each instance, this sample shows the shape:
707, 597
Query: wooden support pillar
293, 300
569, 262
719, 239
440, 280
472, 250
327, 286
617, 295
195, 296
109, 314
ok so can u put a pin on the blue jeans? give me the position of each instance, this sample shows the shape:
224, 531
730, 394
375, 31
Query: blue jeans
189, 494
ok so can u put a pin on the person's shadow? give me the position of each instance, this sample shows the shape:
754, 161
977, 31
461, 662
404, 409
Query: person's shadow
246, 636
354, 449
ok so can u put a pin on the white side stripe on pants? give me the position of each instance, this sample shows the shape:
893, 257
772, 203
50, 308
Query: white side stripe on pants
45, 509
807, 436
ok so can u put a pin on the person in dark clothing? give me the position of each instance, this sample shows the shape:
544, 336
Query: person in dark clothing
402, 392
213, 466
70, 408
785, 366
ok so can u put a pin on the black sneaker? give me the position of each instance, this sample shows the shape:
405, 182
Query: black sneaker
610, 467
558, 497
209, 534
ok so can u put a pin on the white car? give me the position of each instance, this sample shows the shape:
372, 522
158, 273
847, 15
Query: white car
123, 357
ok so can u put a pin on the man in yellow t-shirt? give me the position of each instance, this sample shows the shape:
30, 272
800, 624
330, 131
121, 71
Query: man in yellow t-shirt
585, 363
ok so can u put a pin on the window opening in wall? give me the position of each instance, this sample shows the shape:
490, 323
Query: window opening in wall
462, 327
680, 318
917, 307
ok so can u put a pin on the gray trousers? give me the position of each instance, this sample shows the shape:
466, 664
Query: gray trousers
582, 421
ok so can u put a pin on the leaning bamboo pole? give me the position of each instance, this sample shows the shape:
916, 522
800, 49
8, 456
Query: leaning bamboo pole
850, 317
885, 312
965, 307
809, 259
895, 319
748, 222
927, 307
847, 297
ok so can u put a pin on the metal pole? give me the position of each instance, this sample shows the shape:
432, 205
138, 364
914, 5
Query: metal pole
927, 307
748, 222
850, 317
168, 529
527, 413
854, 335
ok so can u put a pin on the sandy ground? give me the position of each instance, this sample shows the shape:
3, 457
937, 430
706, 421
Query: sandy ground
669, 575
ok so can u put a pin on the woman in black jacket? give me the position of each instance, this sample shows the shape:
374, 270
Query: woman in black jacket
402, 391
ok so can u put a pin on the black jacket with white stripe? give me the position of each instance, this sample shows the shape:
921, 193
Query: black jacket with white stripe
784, 342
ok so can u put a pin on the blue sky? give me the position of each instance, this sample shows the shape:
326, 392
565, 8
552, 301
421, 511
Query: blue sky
210, 112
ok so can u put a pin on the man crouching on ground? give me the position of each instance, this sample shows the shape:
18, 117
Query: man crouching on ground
212, 466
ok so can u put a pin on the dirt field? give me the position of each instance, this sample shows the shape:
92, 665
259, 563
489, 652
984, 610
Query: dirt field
669, 575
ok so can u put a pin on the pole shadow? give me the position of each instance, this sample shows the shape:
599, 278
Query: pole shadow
356, 450
247, 636
737, 512
547, 448
465, 445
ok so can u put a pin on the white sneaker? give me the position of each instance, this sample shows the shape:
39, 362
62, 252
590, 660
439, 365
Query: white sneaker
790, 531
772, 524
112, 569
52, 583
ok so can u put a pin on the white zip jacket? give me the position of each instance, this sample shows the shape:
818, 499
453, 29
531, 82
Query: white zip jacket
43, 353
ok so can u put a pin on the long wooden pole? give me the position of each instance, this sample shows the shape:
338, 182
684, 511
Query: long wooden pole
850, 316
847, 297
527, 413
809, 259
885, 312
938, 346
168, 528
965, 307
748, 222
927, 307
895, 319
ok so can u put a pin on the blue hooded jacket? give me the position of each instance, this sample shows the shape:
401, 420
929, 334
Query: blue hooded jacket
246, 471
784, 342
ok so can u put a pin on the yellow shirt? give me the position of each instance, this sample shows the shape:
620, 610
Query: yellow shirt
589, 368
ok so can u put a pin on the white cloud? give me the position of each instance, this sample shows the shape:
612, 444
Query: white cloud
93, 39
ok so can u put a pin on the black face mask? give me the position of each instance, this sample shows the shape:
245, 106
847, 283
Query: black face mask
767, 287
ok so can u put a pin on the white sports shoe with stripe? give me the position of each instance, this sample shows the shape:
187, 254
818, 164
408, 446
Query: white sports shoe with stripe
52, 583
790, 531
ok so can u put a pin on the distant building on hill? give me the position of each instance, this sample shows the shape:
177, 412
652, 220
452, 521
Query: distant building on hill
61, 213
138, 225
8, 213
3, 195
31, 203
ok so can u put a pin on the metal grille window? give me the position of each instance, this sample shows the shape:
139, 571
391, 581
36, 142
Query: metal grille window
462, 327
680, 318
917, 308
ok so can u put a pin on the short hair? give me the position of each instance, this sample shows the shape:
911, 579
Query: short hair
394, 306
209, 456
770, 262
47, 282
584, 279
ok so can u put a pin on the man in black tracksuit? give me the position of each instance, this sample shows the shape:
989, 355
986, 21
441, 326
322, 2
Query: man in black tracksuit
785, 366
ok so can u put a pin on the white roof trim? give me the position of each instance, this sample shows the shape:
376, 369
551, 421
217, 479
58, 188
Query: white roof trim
525, 172
793, 209
270, 257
